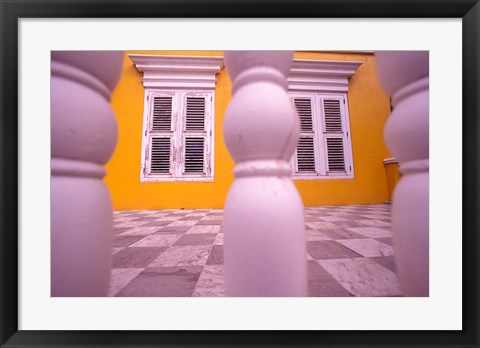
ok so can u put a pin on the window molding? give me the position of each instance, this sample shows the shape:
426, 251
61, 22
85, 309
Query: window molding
320, 76
178, 72
181, 78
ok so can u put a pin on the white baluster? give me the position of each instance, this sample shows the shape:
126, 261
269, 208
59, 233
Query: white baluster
84, 135
263, 218
404, 76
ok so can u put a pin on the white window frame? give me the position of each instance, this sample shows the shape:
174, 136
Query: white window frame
319, 138
178, 76
178, 136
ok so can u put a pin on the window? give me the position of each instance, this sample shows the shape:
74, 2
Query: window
178, 117
178, 136
324, 147
318, 89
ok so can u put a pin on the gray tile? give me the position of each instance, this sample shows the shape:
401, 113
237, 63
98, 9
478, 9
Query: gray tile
157, 223
386, 261
321, 283
196, 239
329, 249
135, 257
209, 222
388, 241
174, 229
163, 281
123, 241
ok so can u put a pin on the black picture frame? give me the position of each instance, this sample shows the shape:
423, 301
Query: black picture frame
12, 11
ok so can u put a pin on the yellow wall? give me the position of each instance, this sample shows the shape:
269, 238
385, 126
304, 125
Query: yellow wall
368, 109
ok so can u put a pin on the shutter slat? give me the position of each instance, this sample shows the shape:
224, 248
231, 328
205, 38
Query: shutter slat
332, 115
195, 114
194, 155
336, 155
162, 114
160, 156
304, 109
305, 155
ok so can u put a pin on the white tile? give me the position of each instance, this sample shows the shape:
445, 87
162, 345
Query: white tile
321, 225
183, 223
204, 229
211, 282
219, 239
116, 250
363, 277
139, 231
131, 224
371, 232
157, 240
119, 278
368, 247
195, 255
375, 223
331, 218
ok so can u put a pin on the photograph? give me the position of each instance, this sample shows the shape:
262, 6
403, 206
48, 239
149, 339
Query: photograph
169, 179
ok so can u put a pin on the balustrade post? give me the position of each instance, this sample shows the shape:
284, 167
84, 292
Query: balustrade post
404, 76
263, 218
83, 135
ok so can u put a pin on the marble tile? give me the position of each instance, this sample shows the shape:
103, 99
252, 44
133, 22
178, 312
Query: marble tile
163, 282
158, 240
341, 233
329, 249
209, 222
174, 229
363, 277
168, 218
371, 232
135, 257
119, 278
348, 223
375, 216
331, 218
182, 223
387, 261
211, 282
116, 250
219, 239
316, 235
157, 223
368, 247
196, 239
210, 218
131, 224
216, 255
375, 223
204, 229
123, 241
388, 241
195, 255
321, 283
140, 231
124, 219
320, 225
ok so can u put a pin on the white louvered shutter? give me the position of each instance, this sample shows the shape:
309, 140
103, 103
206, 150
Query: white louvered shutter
160, 131
305, 159
335, 134
196, 134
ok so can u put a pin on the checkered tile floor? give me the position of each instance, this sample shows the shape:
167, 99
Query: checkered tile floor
180, 252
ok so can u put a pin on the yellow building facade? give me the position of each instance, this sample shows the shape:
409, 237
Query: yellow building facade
368, 109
